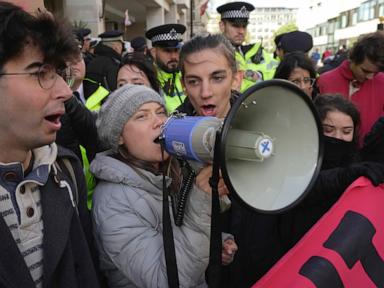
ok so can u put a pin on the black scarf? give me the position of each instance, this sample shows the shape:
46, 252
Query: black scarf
338, 153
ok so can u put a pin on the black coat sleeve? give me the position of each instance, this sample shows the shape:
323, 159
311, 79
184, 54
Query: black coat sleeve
83, 123
328, 188
373, 149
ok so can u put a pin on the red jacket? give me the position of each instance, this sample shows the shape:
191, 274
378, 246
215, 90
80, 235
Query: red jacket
369, 98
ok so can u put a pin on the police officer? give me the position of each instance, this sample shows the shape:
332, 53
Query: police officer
166, 43
102, 71
292, 42
253, 60
84, 37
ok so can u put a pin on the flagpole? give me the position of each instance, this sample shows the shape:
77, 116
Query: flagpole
191, 10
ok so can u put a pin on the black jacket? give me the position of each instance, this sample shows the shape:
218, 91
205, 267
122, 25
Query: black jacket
373, 149
102, 70
67, 257
78, 128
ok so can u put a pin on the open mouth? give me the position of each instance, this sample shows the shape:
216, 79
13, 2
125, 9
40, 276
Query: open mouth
53, 118
159, 139
208, 110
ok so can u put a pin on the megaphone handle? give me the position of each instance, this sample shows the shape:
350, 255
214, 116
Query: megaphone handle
214, 267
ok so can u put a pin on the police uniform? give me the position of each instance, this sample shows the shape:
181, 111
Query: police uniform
101, 72
251, 58
168, 36
81, 35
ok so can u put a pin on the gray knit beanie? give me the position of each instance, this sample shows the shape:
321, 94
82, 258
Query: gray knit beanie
119, 107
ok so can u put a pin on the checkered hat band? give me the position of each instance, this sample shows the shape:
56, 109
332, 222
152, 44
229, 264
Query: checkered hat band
113, 39
234, 14
166, 37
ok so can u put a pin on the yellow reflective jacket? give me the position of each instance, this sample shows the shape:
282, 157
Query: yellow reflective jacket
247, 60
93, 103
172, 90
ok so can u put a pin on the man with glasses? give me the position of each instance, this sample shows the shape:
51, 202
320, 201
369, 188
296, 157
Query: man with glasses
42, 196
360, 79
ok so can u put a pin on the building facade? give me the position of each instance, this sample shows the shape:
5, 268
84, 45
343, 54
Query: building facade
333, 24
102, 15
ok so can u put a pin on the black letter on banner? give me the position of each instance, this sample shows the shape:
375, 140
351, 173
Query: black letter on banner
352, 239
321, 272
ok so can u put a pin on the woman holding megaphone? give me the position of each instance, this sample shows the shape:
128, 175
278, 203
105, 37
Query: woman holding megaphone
209, 77
128, 200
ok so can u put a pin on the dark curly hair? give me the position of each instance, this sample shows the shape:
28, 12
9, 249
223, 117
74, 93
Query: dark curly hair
19, 29
370, 46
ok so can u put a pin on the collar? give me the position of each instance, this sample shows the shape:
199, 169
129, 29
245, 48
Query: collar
43, 157
346, 71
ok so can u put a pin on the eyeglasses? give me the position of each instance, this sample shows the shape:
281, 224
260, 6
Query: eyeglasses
307, 81
47, 75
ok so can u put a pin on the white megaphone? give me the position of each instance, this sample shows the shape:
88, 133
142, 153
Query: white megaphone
270, 146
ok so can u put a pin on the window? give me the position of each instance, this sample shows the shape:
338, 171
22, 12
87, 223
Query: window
366, 11
354, 18
381, 8
332, 26
343, 21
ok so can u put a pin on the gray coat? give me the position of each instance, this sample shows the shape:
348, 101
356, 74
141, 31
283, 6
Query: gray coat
127, 214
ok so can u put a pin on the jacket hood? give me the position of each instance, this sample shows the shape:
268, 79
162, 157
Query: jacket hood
110, 169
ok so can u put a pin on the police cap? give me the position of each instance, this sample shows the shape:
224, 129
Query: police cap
168, 35
138, 43
277, 40
296, 41
81, 33
237, 12
111, 36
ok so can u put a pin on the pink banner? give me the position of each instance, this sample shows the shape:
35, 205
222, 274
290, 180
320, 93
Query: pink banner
344, 249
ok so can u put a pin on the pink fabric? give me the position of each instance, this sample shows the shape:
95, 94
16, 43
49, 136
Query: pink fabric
369, 99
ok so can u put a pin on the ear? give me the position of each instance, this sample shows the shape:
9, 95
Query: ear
237, 79
153, 52
222, 26
121, 140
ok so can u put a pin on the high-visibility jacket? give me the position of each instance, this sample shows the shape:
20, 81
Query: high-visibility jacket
93, 103
171, 88
253, 57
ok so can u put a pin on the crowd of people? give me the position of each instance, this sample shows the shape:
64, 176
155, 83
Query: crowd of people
85, 182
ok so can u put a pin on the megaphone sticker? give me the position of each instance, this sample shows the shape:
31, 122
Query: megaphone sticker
208, 140
179, 148
265, 147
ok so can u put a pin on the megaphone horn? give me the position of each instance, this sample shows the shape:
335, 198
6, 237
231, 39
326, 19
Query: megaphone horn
270, 145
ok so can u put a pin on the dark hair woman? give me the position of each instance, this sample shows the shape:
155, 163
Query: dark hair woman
298, 68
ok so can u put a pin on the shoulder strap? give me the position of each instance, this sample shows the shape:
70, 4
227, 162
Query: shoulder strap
69, 167
69, 170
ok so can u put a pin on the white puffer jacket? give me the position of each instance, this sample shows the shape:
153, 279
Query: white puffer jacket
127, 215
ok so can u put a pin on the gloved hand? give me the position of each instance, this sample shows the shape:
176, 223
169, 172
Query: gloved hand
374, 171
